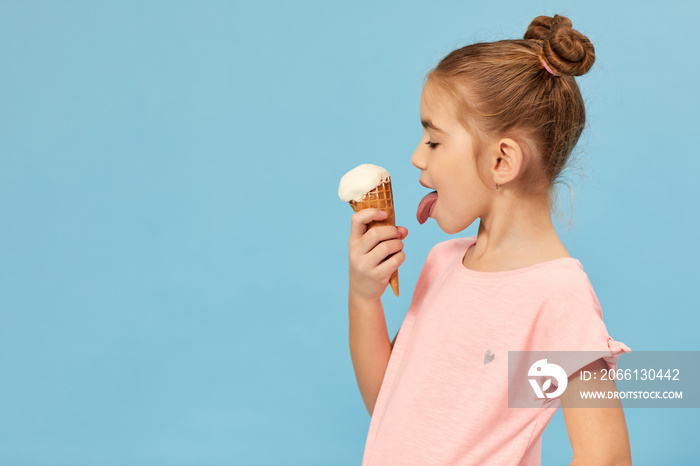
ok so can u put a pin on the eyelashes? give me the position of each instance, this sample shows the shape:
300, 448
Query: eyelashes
432, 145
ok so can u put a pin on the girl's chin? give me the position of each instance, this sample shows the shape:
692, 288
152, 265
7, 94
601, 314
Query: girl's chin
450, 228
446, 227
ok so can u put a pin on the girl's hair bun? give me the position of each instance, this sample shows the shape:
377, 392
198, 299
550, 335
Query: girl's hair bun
567, 51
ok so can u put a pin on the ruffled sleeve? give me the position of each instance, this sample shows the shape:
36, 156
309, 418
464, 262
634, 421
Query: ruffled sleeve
616, 348
570, 327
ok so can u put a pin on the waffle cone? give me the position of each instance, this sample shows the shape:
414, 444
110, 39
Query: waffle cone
380, 198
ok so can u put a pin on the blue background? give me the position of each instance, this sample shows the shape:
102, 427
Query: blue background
173, 253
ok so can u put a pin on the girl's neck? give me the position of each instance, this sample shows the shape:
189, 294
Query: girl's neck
515, 235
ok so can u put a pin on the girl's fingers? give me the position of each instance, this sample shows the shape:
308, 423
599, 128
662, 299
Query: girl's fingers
392, 263
359, 221
375, 237
385, 249
403, 231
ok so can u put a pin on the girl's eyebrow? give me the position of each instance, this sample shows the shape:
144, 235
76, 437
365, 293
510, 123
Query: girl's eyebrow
429, 124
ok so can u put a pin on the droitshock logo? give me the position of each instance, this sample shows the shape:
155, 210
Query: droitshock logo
543, 368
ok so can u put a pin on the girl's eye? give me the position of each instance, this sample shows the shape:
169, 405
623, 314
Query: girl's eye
432, 145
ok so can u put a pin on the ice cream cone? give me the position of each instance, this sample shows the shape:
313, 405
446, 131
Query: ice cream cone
380, 198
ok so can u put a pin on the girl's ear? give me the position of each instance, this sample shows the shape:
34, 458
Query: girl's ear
507, 161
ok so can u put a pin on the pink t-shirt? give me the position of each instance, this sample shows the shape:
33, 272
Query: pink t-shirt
444, 397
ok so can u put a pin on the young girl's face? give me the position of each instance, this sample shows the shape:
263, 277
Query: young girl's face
446, 158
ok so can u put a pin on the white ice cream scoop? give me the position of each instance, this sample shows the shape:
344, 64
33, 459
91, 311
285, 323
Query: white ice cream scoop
361, 180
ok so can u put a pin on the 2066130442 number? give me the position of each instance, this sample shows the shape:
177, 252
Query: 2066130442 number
633, 374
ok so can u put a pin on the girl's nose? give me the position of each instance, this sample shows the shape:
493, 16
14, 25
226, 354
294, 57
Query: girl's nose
418, 157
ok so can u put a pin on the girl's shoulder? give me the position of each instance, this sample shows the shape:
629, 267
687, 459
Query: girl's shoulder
451, 247
444, 255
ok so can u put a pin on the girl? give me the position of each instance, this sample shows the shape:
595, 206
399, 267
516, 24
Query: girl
500, 120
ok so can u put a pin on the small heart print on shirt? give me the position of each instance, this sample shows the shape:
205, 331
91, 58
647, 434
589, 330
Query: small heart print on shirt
488, 357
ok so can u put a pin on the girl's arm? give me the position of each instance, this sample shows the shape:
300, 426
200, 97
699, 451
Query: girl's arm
370, 348
598, 434
374, 254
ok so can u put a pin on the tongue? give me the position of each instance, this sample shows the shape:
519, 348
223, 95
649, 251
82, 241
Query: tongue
426, 206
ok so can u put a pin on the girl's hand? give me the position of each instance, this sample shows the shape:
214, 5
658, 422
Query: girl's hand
374, 253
